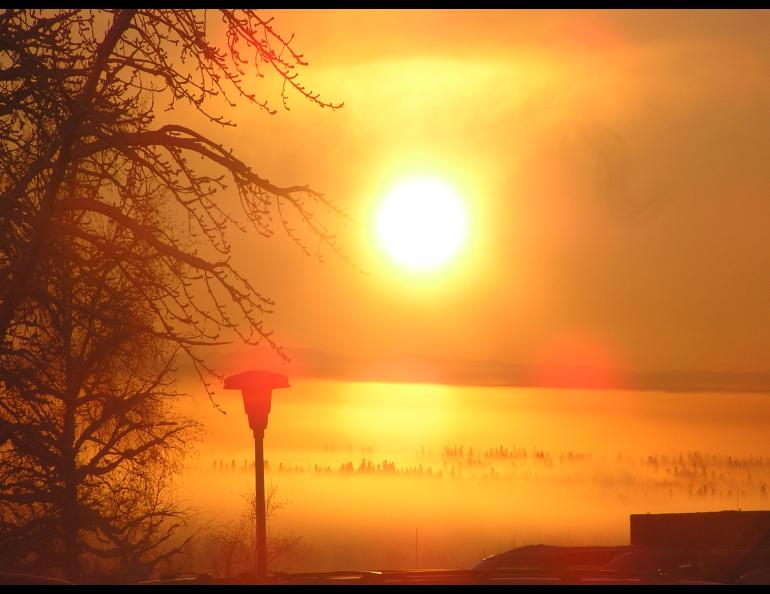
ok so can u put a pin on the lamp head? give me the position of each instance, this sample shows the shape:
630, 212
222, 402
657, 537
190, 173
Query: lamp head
257, 387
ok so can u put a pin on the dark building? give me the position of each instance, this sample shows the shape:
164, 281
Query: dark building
704, 530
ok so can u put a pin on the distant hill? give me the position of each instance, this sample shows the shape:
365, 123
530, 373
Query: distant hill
454, 371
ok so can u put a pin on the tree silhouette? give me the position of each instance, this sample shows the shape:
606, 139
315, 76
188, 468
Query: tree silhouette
231, 549
90, 445
80, 97
114, 259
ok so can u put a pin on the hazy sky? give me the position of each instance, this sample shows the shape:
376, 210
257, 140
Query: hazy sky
615, 165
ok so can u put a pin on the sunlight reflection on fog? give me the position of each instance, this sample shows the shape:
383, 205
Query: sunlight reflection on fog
363, 465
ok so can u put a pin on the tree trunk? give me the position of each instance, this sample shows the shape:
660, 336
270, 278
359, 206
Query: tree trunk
69, 503
69, 496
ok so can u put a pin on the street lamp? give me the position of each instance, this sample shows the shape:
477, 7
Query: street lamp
257, 388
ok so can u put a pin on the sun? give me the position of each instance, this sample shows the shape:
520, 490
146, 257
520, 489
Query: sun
421, 224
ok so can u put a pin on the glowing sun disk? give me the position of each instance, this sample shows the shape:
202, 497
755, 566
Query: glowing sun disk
421, 224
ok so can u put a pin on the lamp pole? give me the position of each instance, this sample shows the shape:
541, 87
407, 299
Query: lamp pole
261, 512
256, 388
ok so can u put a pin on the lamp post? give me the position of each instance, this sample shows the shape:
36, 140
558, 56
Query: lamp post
257, 388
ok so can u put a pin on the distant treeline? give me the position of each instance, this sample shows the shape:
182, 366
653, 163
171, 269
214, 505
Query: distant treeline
697, 474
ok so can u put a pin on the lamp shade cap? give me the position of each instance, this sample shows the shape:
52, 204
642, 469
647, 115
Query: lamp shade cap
256, 379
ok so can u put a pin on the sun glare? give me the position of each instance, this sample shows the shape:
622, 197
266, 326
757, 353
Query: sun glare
421, 224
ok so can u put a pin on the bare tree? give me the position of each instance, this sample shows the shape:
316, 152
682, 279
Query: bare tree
90, 445
231, 549
79, 97
114, 258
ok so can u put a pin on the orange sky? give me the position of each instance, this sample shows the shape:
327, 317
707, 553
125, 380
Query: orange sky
614, 164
